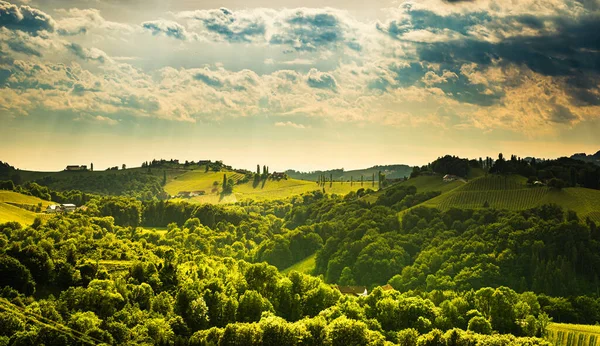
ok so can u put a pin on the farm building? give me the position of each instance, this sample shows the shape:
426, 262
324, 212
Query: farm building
62, 208
76, 168
450, 177
68, 208
53, 209
357, 291
197, 193
278, 175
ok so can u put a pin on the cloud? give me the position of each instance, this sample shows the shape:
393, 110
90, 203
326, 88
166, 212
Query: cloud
82, 21
290, 124
209, 79
321, 80
301, 30
223, 24
167, 28
87, 54
308, 30
25, 18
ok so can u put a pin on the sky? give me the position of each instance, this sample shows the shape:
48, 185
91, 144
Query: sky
294, 84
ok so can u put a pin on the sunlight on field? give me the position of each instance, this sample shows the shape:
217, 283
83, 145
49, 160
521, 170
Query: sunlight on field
262, 190
11, 204
563, 334
306, 266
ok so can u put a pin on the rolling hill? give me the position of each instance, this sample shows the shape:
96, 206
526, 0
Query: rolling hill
390, 171
512, 193
211, 184
13, 204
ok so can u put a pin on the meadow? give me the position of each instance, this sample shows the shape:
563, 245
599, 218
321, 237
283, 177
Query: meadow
13, 204
211, 184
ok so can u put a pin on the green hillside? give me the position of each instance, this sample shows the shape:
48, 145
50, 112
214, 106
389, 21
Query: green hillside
423, 183
390, 171
512, 193
199, 180
305, 266
13, 204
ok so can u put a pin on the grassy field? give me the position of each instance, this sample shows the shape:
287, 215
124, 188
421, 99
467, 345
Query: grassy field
10, 207
265, 190
561, 334
305, 266
512, 193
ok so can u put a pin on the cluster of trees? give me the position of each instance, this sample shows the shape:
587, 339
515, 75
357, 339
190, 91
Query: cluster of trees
392, 172
33, 189
448, 164
80, 279
97, 274
137, 184
562, 172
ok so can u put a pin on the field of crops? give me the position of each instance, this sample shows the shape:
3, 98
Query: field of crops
511, 193
561, 334
499, 199
496, 182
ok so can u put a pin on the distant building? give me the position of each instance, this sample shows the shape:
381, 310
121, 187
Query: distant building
278, 175
68, 208
450, 177
183, 194
62, 208
387, 287
76, 168
53, 209
197, 193
356, 291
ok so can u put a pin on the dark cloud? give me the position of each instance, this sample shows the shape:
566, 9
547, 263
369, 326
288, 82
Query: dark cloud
561, 114
571, 49
431, 21
321, 80
209, 80
231, 27
23, 47
166, 27
308, 31
24, 18
86, 54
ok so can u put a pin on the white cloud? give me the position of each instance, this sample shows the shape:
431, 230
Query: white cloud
290, 124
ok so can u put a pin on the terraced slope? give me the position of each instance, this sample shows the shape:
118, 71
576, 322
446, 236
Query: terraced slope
512, 193
563, 334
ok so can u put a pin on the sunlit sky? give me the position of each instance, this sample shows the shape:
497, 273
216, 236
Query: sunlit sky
296, 84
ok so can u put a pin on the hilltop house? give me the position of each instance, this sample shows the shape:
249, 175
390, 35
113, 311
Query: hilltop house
62, 208
76, 168
356, 291
450, 177
278, 175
